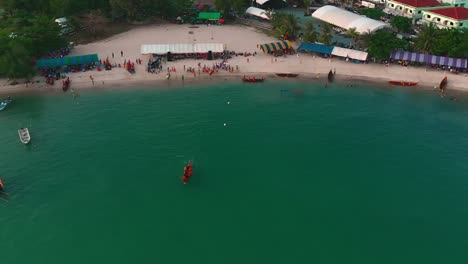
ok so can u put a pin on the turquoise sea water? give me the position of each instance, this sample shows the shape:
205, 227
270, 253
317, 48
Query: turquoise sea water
335, 175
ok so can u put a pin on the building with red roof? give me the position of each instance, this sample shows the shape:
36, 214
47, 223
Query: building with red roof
451, 17
410, 8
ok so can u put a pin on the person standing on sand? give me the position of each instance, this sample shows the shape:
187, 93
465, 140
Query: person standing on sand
112, 54
92, 79
121, 53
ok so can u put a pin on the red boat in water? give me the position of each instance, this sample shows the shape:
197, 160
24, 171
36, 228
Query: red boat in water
253, 79
1, 185
66, 84
403, 83
187, 173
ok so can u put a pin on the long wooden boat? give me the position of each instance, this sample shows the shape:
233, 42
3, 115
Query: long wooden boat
24, 135
253, 79
443, 83
331, 76
402, 83
187, 172
292, 75
66, 84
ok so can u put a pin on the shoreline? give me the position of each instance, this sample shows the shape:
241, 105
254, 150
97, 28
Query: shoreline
160, 83
239, 39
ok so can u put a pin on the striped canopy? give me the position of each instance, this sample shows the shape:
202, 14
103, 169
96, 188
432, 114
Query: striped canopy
65, 61
282, 45
431, 59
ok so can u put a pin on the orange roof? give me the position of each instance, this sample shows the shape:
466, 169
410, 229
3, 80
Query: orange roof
458, 13
419, 3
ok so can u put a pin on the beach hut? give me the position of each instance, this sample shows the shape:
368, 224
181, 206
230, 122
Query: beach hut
350, 53
316, 47
275, 46
430, 59
67, 61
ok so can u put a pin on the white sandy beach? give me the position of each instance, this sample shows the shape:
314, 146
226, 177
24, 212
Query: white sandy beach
237, 38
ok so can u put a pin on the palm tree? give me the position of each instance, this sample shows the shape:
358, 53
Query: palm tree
426, 39
354, 35
292, 25
307, 4
364, 38
326, 35
310, 34
285, 24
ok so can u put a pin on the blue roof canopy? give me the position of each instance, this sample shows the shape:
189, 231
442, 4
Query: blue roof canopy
315, 47
66, 61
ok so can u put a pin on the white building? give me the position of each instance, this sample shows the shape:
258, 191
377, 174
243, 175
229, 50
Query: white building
410, 8
452, 17
347, 20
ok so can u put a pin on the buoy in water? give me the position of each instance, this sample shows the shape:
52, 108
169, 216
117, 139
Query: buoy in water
224, 124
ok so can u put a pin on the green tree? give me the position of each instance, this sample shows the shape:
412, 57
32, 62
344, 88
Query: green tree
372, 13
17, 62
354, 35
382, 43
307, 4
326, 35
402, 24
310, 34
285, 24
451, 42
426, 39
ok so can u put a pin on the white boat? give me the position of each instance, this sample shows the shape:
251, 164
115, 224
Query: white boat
24, 135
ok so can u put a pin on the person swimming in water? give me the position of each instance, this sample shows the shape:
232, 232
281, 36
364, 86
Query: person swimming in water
187, 173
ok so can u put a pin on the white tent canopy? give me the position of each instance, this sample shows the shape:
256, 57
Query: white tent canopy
261, 2
352, 54
345, 19
162, 49
257, 12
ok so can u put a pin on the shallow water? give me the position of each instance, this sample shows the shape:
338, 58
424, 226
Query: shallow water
332, 175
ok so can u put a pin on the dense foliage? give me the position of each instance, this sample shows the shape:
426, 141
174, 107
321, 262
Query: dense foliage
24, 38
372, 13
446, 42
402, 24
382, 43
285, 24
310, 35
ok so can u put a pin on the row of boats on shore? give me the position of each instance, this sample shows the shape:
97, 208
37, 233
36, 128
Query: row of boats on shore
254, 79
331, 75
441, 86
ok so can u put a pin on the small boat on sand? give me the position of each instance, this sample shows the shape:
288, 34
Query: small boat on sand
187, 172
443, 84
24, 136
402, 83
331, 76
66, 84
4, 103
292, 75
253, 79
